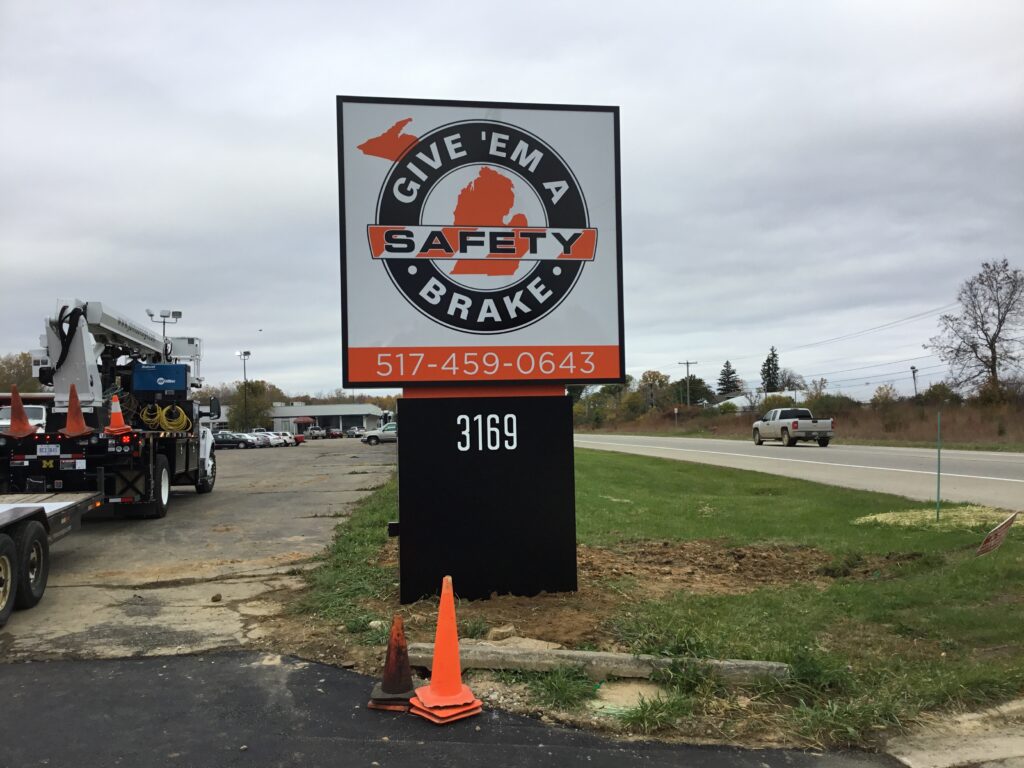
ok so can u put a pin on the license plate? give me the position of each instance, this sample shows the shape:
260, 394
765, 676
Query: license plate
47, 450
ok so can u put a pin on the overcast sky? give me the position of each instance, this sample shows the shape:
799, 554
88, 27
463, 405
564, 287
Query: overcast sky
791, 172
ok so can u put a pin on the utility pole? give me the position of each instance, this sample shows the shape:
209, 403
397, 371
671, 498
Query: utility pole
688, 363
913, 372
244, 354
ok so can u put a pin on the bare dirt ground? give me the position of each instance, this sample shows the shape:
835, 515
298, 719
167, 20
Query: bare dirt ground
609, 579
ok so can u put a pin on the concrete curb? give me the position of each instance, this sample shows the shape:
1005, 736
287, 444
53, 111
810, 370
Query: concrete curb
598, 665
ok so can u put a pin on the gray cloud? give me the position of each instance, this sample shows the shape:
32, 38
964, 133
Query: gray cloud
791, 171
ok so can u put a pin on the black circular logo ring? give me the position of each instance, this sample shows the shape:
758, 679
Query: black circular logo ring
428, 288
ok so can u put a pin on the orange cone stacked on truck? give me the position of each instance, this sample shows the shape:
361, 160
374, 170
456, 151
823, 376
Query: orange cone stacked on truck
20, 426
117, 425
446, 699
76, 426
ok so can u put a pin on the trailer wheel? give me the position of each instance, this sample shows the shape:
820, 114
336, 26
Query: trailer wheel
157, 508
8, 584
206, 484
33, 563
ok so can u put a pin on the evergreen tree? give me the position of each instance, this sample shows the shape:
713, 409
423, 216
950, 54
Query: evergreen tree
771, 378
729, 380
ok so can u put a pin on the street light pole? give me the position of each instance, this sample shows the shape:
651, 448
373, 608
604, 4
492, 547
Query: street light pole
244, 354
688, 363
913, 372
166, 316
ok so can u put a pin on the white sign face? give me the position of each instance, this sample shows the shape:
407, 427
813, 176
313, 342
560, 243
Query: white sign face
480, 242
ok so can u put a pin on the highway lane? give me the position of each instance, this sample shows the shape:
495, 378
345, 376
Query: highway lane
994, 479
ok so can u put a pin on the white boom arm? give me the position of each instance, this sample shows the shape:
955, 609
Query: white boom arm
98, 328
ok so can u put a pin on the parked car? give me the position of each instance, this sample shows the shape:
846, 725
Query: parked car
355, 432
793, 425
386, 434
315, 433
299, 438
288, 437
231, 440
276, 441
334, 433
261, 438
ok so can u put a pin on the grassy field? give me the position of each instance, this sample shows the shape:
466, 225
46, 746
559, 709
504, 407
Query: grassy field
896, 621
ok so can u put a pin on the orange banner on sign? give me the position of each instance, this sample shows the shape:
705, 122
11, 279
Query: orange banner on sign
481, 364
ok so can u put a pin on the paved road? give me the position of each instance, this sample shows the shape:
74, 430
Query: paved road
995, 479
244, 709
125, 587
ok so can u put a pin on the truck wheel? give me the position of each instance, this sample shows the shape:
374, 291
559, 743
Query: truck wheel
8, 584
33, 563
157, 508
206, 484
757, 437
823, 442
785, 438
372, 440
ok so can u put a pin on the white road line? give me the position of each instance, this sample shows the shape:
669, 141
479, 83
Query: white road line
795, 461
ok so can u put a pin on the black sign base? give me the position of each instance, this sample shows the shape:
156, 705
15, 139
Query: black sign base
486, 496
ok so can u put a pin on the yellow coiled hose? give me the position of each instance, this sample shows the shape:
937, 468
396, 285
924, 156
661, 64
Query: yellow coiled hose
155, 417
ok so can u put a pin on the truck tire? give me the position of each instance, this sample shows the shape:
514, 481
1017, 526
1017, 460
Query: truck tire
757, 437
33, 563
786, 439
206, 484
823, 442
157, 508
372, 440
8, 582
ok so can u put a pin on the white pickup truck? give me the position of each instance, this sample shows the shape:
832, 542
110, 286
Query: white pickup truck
793, 425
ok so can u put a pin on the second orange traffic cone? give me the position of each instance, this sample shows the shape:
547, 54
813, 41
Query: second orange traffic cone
117, 425
446, 698
20, 426
76, 426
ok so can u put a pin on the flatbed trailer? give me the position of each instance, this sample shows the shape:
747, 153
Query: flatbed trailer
29, 524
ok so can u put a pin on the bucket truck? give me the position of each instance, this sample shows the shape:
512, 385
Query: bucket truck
123, 428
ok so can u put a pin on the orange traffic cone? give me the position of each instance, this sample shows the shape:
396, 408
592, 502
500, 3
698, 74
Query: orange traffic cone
395, 690
19, 419
446, 698
76, 426
117, 425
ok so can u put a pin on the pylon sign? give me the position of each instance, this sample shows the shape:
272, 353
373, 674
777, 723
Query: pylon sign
480, 242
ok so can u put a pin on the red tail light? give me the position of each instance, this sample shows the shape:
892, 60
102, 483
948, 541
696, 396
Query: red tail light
796, 425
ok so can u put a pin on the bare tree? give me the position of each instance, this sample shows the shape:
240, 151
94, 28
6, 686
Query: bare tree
791, 380
983, 341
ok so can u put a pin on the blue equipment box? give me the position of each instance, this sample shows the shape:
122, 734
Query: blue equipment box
160, 377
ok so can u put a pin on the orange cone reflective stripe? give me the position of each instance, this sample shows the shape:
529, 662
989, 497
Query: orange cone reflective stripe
117, 425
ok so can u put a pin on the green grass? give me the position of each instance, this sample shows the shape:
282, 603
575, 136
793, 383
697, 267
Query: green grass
565, 688
349, 575
938, 630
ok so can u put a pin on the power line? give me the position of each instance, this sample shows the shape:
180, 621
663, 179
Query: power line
864, 367
865, 331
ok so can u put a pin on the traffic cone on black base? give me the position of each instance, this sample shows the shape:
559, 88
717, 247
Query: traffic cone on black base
20, 426
395, 690
76, 426
446, 699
